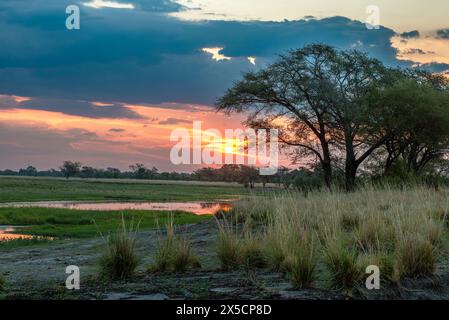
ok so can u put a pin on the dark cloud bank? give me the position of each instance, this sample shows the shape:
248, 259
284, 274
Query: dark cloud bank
145, 56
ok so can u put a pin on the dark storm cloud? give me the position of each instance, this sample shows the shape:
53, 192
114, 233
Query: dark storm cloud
410, 34
71, 107
144, 56
436, 67
443, 33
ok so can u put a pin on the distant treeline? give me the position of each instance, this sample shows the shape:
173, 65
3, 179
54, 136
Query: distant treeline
243, 174
301, 179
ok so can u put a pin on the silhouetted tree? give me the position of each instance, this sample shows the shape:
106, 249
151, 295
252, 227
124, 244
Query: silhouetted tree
70, 168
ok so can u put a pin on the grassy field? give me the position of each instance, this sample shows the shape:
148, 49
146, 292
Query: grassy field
65, 223
31, 189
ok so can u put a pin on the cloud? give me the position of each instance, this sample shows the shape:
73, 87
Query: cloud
71, 107
116, 130
410, 34
174, 121
215, 53
443, 33
98, 4
144, 56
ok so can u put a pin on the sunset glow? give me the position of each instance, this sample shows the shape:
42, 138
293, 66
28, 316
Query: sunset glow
111, 93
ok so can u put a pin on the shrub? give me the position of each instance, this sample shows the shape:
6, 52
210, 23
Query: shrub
119, 259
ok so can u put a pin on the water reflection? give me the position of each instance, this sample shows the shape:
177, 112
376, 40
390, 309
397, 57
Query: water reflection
199, 208
7, 235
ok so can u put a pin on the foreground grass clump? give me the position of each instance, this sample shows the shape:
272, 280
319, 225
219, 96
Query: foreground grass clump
174, 253
228, 247
303, 264
239, 248
416, 257
341, 263
339, 235
119, 259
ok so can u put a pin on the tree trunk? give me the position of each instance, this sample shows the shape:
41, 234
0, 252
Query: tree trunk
351, 164
350, 175
326, 164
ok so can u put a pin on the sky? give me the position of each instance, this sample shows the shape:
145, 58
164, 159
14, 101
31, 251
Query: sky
110, 93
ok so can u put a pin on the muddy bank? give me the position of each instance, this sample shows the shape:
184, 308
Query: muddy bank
39, 273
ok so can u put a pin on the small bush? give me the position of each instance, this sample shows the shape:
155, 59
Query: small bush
119, 260
416, 257
341, 262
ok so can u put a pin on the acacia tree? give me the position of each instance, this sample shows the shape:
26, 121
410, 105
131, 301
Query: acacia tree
317, 97
289, 92
415, 111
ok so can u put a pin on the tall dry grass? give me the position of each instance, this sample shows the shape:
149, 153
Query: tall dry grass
403, 231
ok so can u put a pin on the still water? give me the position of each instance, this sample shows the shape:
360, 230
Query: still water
6, 235
199, 208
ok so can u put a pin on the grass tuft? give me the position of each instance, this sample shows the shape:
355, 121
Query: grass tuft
303, 264
119, 259
416, 257
341, 262
228, 247
174, 253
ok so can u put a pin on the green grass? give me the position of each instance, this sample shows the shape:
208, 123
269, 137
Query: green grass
29, 189
65, 223
18, 243
119, 259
